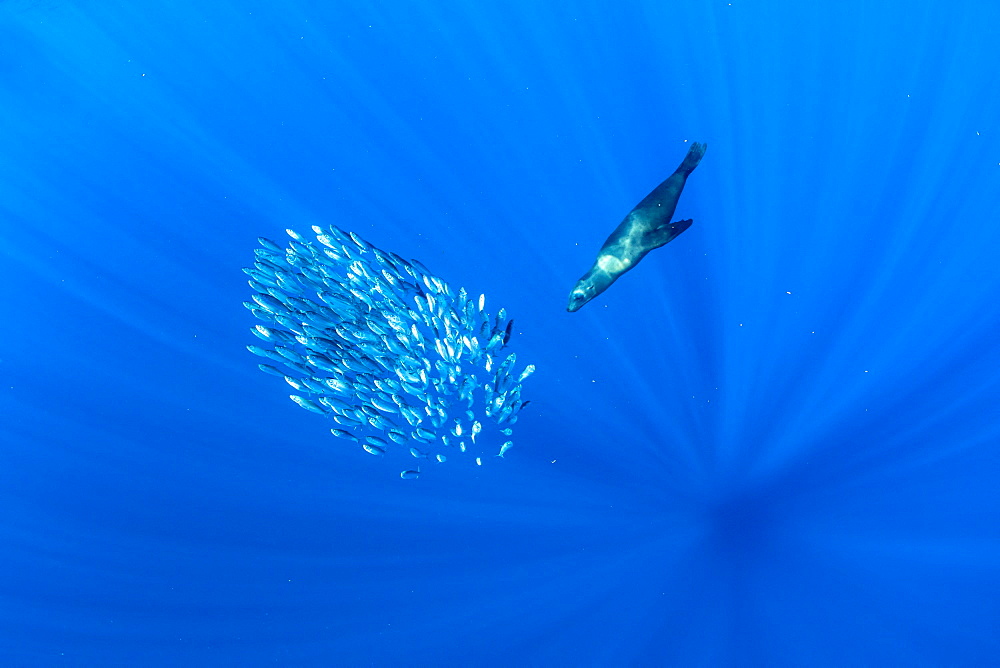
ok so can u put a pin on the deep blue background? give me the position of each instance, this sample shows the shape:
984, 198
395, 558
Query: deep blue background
773, 443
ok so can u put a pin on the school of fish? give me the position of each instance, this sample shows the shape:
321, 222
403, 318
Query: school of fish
387, 350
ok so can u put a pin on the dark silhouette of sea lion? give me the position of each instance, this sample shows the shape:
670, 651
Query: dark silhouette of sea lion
646, 227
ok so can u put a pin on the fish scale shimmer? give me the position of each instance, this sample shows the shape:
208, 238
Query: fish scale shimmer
385, 349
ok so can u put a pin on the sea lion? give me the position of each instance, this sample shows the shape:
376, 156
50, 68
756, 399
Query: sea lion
646, 227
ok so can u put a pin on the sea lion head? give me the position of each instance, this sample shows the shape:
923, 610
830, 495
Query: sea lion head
583, 292
593, 283
579, 297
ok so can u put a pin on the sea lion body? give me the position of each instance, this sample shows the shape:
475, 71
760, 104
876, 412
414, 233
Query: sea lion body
646, 227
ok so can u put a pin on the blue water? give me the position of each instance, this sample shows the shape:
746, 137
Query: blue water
773, 443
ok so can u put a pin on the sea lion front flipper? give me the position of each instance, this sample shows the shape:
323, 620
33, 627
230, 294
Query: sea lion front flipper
666, 233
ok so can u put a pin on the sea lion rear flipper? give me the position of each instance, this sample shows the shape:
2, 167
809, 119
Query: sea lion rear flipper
692, 158
666, 233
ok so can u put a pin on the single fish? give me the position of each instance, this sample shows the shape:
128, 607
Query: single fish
423, 435
307, 404
396, 436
